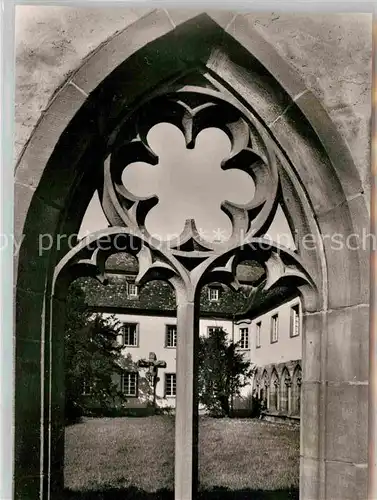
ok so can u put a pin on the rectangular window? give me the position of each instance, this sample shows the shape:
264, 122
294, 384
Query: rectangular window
214, 329
274, 328
171, 336
130, 384
244, 338
130, 334
170, 384
213, 294
295, 320
132, 290
258, 333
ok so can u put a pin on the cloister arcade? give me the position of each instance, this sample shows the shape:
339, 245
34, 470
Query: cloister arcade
195, 74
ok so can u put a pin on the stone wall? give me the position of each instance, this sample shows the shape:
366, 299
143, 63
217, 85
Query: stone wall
331, 52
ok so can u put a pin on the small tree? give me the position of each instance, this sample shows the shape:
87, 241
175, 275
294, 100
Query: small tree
223, 372
91, 356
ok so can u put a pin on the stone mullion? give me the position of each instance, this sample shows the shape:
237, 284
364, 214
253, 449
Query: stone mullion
186, 423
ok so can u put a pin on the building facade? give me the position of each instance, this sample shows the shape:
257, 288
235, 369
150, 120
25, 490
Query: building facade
276, 349
268, 335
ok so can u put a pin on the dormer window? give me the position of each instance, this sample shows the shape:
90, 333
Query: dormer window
132, 290
213, 294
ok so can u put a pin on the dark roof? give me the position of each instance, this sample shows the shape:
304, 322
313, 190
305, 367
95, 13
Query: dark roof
251, 272
247, 272
158, 298
122, 262
155, 295
263, 301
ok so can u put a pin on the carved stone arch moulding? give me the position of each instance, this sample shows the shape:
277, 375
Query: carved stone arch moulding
309, 190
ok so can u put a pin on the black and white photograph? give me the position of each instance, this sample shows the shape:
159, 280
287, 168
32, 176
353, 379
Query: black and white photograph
192, 241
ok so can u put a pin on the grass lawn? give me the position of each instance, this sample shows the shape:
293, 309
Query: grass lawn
134, 458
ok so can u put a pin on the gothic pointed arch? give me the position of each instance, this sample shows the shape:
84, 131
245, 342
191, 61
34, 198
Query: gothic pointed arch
264, 389
200, 75
274, 391
285, 386
296, 390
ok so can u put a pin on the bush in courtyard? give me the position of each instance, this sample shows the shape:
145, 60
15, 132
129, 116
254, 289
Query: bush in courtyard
223, 372
91, 355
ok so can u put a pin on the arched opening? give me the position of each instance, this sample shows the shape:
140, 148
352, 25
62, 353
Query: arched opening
296, 391
274, 392
265, 391
321, 192
285, 392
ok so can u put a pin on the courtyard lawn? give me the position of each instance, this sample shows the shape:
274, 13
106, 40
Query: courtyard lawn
248, 454
134, 458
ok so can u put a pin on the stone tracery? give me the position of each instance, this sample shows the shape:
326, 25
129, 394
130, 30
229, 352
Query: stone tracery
190, 256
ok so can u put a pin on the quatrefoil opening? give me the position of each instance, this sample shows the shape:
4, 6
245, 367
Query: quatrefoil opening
192, 114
